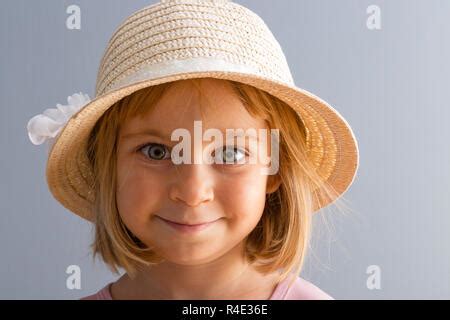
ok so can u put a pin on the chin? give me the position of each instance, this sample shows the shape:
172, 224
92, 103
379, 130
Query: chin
190, 259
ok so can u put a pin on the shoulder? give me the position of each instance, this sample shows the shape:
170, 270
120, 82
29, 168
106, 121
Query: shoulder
301, 289
102, 294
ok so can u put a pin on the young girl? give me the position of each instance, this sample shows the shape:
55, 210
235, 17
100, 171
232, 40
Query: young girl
195, 230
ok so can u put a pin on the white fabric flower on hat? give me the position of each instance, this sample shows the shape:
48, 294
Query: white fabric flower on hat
47, 125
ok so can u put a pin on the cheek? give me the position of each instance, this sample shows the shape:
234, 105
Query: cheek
138, 194
243, 197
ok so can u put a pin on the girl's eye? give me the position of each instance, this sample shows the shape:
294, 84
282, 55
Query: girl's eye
229, 155
155, 151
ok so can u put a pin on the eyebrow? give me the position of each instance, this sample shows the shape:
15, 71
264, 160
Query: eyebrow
147, 132
163, 135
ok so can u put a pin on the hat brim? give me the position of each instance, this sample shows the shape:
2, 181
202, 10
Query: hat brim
332, 145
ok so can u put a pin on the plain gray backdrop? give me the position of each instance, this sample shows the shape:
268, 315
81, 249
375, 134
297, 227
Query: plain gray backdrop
391, 85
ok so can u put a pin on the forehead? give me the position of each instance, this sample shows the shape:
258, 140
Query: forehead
216, 104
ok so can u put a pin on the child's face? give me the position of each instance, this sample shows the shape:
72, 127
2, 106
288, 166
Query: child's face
151, 188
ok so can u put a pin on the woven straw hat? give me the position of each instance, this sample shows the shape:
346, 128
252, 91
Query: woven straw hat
183, 39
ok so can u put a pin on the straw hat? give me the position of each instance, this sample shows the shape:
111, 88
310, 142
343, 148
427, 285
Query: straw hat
183, 39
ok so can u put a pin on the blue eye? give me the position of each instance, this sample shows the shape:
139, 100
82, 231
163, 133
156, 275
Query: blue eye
155, 151
230, 155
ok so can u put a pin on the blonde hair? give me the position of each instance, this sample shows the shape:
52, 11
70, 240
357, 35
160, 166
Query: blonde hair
280, 239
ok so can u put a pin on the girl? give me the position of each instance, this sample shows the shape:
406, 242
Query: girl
189, 230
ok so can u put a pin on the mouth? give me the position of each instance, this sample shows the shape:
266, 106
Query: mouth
187, 228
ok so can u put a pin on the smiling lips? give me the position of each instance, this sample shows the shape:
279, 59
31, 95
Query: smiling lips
186, 228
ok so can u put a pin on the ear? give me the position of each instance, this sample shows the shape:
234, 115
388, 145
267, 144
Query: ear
273, 183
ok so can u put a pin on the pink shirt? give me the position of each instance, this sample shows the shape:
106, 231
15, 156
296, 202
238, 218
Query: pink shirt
300, 290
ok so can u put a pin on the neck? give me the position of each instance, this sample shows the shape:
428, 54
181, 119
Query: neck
228, 277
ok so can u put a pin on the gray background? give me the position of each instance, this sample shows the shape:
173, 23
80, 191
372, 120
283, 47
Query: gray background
389, 84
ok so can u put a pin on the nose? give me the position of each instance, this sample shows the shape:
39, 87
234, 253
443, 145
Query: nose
193, 184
